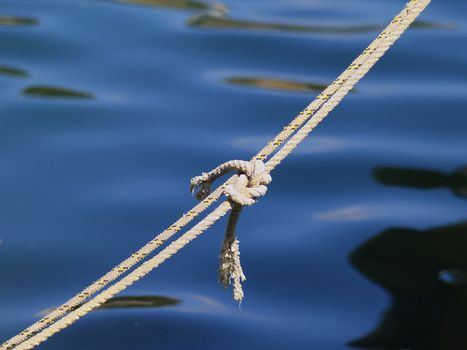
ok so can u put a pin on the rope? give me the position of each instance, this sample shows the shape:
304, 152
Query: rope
413, 6
251, 184
63, 316
128, 280
142, 253
230, 268
113, 274
360, 70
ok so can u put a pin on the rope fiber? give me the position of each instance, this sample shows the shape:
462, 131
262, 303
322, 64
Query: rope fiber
239, 186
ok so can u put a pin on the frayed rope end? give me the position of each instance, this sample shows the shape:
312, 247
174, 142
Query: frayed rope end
230, 270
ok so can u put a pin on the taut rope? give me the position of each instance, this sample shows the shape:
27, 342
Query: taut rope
236, 186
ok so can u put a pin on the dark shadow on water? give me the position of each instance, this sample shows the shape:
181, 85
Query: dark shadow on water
214, 21
176, 4
55, 92
423, 179
424, 271
276, 84
132, 302
425, 274
17, 21
223, 22
423, 24
126, 302
14, 72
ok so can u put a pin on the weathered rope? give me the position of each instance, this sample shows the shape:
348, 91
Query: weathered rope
329, 98
128, 280
360, 70
189, 216
230, 268
250, 184
398, 25
113, 274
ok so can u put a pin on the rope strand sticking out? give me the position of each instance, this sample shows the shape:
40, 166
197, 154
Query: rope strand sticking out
230, 268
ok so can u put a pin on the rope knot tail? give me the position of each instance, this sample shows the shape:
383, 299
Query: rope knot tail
230, 269
202, 185
251, 183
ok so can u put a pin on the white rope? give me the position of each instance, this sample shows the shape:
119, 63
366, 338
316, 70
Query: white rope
360, 71
141, 254
128, 280
250, 184
330, 97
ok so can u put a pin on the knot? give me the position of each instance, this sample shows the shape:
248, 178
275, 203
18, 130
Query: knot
250, 184
249, 187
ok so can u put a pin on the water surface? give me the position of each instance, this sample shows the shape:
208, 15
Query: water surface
108, 108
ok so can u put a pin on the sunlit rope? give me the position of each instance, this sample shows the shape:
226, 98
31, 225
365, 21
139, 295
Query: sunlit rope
319, 109
251, 184
141, 254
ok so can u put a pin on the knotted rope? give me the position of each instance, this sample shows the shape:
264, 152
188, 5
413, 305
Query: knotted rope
388, 36
302, 125
248, 186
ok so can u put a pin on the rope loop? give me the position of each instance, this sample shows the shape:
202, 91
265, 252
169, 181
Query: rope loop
250, 184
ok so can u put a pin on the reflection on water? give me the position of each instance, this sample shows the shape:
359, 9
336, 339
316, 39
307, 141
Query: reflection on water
126, 302
16, 72
177, 4
220, 21
215, 21
423, 179
16, 21
139, 301
351, 213
58, 92
422, 24
114, 177
276, 84
424, 271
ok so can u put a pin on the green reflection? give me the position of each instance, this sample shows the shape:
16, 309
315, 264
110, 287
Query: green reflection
127, 302
423, 24
276, 84
425, 274
219, 21
56, 92
15, 72
177, 4
17, 21
423, 178
214, 21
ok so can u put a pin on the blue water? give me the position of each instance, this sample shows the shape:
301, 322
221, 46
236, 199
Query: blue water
108, 108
